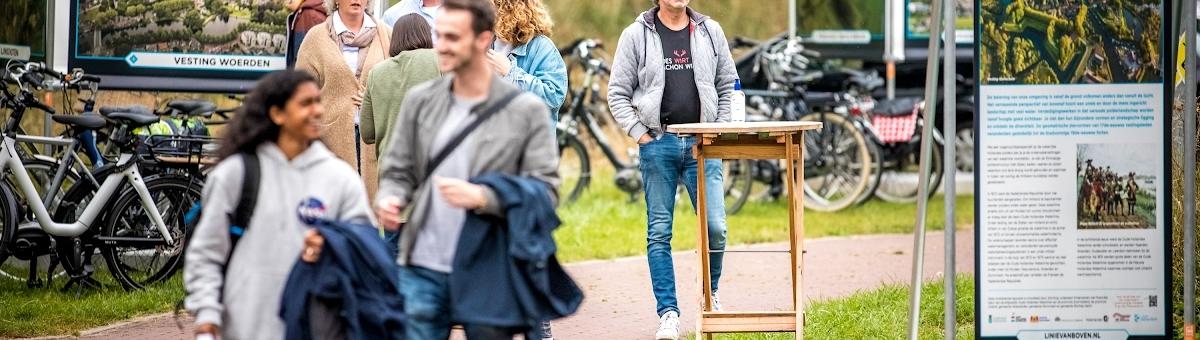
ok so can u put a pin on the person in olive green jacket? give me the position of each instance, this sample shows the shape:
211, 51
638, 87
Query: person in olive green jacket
413, 62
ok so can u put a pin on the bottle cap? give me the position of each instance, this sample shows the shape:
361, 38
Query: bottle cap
737, 84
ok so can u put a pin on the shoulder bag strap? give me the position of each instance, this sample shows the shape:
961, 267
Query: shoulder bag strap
458, 139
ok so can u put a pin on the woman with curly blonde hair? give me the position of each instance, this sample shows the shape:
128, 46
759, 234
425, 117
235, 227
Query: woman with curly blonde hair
524, 54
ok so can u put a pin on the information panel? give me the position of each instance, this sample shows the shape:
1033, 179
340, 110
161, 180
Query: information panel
211, 39
918, 20
23, 30
840, 21
1072, 211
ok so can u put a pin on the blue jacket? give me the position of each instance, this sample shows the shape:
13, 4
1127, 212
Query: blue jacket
538, 68
505, 273
357, 276
406, 7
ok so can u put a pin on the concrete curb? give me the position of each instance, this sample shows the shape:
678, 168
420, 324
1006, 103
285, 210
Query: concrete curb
102, 329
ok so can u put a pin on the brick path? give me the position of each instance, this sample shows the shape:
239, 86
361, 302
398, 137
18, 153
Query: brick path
619, 304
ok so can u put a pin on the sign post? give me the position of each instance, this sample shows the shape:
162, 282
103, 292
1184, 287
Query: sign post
893, 44
791, 19
931, 80
1188, 16
950, 98
1073, 180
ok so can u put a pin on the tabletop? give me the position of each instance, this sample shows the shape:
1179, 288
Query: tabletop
743, 127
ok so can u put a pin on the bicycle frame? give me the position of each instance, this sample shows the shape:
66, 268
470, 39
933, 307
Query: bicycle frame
579, 113
68, 160
128, 171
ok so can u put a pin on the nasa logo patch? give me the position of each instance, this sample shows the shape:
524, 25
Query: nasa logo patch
311, 210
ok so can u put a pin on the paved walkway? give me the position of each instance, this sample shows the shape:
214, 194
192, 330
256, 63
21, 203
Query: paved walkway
619, 304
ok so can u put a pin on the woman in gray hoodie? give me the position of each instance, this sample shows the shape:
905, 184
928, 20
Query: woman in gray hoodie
236, 294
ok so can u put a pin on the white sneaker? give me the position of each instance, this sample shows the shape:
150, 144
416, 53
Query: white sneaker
668, 326
716, 302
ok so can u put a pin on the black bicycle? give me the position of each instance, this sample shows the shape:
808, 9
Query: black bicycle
585, 110
782, 85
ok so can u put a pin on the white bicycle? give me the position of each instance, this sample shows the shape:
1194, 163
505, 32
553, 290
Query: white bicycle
135, 223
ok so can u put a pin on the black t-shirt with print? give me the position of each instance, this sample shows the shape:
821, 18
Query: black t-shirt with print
681, 99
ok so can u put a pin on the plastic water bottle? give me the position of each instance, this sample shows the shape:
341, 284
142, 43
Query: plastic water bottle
737, 104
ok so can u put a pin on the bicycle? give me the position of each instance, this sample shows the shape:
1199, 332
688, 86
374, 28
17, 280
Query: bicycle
895, 127
124, 196
838, 165
581, 115
53, 174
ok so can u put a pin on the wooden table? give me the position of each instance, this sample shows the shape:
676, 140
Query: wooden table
763, 140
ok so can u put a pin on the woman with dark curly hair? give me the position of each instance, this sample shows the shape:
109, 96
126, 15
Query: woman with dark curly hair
524, 55
236, 292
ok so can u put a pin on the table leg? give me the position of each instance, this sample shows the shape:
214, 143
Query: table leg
702, 238
794, 178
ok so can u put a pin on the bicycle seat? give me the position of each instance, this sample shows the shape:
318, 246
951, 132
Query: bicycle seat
108, 110
134, 119
895, 107
814, 98
87, 120
805, 78
191, 107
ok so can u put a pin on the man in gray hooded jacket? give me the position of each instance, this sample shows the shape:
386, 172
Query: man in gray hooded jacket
673, 66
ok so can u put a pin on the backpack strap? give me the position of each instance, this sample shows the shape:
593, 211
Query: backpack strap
481, 116
240, 219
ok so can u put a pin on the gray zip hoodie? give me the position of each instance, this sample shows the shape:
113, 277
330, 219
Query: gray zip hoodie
635, 88
248, 305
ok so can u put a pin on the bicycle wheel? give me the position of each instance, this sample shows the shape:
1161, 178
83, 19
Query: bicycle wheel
738, 181
836, 161
876, 172
900, 181
10, 220
574, 168
964, 149
41, 173
133, 248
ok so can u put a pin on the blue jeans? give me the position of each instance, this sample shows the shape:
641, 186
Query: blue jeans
666, 161
427, 307
392, 239
88, 138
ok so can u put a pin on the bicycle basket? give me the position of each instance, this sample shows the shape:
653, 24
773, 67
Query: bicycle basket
895, 121
182, 149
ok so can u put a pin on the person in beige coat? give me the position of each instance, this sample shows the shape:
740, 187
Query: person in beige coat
340, 53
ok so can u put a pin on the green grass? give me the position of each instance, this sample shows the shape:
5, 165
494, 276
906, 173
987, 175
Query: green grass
882, 314
38, 312
605, 213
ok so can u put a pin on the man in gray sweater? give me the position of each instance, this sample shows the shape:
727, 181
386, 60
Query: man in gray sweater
673, 66
516, 140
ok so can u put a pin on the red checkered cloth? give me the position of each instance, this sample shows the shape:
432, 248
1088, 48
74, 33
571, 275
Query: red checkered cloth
895, 129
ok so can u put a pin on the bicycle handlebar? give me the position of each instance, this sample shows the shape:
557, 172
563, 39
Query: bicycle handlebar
40, 106
741, 41
41, 68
